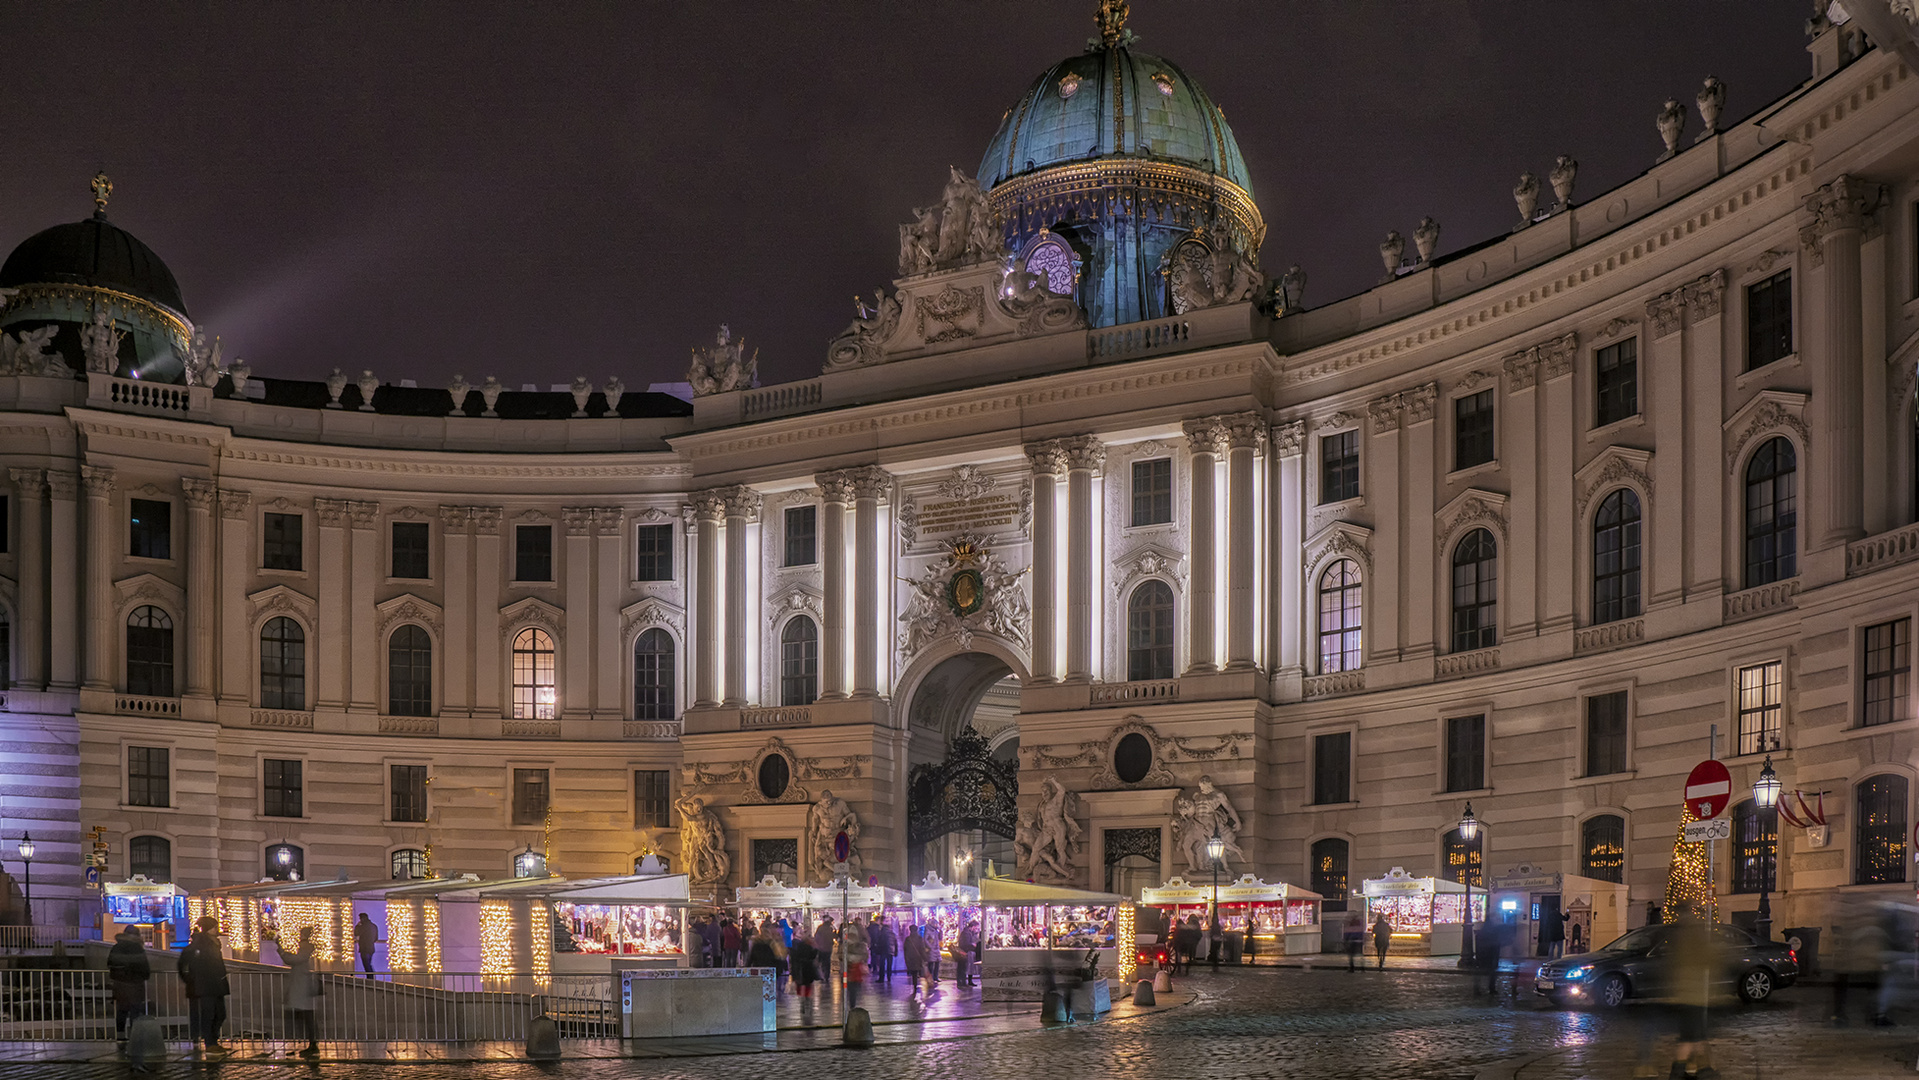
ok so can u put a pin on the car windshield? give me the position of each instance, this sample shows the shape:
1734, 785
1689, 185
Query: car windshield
1637, 941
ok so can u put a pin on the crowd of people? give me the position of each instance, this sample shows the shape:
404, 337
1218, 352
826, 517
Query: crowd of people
868, 950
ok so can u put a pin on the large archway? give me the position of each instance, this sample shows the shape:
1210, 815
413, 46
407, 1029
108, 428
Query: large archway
962, 721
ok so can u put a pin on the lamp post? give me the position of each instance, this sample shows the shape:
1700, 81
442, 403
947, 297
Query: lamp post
1469, 835
1765, 796
525, 863
1215, 851
26, 856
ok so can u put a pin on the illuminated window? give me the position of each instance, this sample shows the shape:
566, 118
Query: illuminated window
1761, 697
530, 795
534, 696
1616, 558
282, 786
533, 553
799, 662
1339, 467
407, 792
1616, 382
1329, 872
150, 529
1476, 592
802, 547
286, 862
149, 776
1461, 857
1879, 850
409, 864
151, 856
1149, 632
1606, 733
1054, 264
1772, 516
653, 799
1339, 617
411, 557
409, 667
1603, 848
655, 545
1473, 429
283, 665
1153, 491
1465, 753
1888, 664
282, 547
1769, 320
1754, 850
653, 676
150, 652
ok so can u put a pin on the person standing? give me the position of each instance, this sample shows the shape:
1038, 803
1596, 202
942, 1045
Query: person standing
935, 943
853, 943
203, 971
1354, 935
1382, 938
963, 950
823, 941
1215, 941
710, 941
303, 991
128, 970
365, 936
730, 943
913, 953
1248, 948
805, 958
1552, 936
1486, 944
889, 948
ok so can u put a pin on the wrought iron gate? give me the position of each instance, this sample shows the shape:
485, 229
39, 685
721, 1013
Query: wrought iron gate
969, 790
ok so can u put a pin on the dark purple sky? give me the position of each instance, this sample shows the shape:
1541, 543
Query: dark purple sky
536, 191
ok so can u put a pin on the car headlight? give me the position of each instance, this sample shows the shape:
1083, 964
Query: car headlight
1579, 972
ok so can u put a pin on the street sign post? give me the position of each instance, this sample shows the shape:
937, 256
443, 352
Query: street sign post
1716, 829
1708, 789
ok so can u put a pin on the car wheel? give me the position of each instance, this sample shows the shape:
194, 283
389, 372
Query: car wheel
1756, 985
1612, 991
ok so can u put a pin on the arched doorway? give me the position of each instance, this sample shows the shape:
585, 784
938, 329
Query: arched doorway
962, 718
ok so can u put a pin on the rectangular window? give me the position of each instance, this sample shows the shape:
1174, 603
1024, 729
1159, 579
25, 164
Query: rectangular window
410, 557
655, 544
283, 536
281, 783
1465, 753
1761, 694
151, 529
802, 547
1606, 733
408, 795
1153, 491
147, 781
1339, 467
533, 553
1332, 768
1754, 848
652, 799
1473, 430
1617, 382
529, 796
1888, 670
1769, 320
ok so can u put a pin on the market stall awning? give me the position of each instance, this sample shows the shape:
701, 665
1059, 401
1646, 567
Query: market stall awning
654, 889
1011, 891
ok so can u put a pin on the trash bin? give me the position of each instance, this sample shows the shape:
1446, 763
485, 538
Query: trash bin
1235, 943
1808, 946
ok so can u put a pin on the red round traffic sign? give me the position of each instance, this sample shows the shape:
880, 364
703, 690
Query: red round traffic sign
842, 847
1708, 790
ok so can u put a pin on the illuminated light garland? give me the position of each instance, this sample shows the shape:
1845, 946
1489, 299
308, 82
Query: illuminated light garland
496, 937
430, 934
541, 926
402, 945
321, 915
1689, 882
1127, 946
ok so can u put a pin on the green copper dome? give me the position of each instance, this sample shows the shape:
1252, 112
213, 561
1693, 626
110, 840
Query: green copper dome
1113, 102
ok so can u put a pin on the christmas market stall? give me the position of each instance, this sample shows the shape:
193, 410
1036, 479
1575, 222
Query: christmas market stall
770, 899
948, 907
254, 917
1427, 914
641, 920
1541, 907
1282, 919
158, 909
1035, 934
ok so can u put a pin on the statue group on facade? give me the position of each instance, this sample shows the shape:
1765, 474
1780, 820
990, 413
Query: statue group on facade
702, 841
825, 820
959, 229
1044, 838
1206, 270
722, 366
1199, 817
1002, 610
30, 352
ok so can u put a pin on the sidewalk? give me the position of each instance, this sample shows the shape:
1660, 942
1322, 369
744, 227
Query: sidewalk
1824, 1053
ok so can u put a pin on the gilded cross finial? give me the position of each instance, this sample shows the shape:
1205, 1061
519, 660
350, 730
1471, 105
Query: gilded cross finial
1112, 22
102, 190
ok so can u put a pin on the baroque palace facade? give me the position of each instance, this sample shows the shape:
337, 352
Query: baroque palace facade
1523, 525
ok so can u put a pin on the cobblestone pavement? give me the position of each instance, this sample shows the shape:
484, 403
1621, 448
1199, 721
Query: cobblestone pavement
1266, 1023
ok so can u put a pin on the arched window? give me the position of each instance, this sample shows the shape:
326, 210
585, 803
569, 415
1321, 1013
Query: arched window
151, 856
1149, 632
1879, 845
1616, 557
653, 676
1462, 856
409, 864
1476, 592
1602, 848
1754, 849
1052, 262
1772, 514
534, 696
150, 652
799, 662
409, 672
283, 665
1339, 617
1329, 872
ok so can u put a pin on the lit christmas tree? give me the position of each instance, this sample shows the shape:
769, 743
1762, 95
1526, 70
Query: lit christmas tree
1689, 884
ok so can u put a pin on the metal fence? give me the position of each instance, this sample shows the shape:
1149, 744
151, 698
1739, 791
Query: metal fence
14, 939
438, 1007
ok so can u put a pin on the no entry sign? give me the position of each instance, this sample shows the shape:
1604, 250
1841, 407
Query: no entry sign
1708, 790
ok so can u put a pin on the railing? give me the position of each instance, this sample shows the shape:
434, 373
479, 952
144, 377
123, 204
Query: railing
1344, 682
1886, 549
15, 939
787, 716
1609, 635
409, 725
160, 397
1137, 338
282, 718
431, 1007
779, 400
651, 730
146, 706
1466, 663
1779, 594
1155, 690
530, 729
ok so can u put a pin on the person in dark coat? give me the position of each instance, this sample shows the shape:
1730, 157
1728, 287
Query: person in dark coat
1382, 939
204, 972
805, 958
1487, 942
128, 971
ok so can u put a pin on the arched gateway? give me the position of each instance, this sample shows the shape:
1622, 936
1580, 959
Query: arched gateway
963, 752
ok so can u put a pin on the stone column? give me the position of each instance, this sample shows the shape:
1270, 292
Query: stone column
1049, 462
1085, 457
742, 510
1839, 219
456, 569
836, 492
232, 680
102, 533
30, 488
488, 650
1383, 582
332, 682
1245, 437
610, 575
576, 674
367, 570
870, 486
202, 593
1289, 511
1662, 365
1205, 440
1705, 374
1518, 420
709, 511
63, 595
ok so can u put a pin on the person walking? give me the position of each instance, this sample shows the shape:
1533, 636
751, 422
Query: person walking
710, 942
1382, 938
823, 942
1185, 945
805, 958
913, 954
1248, 949
935, 939
128, 971
365, 936
764, 951
730, 943
786, 932
203, 971
888, 948
963, 950
857, 951
1215, 941
1487, 941
1353, 933
303, 991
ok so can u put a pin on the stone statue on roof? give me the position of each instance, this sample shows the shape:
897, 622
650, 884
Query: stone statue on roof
723, 365
100, 340
959, 230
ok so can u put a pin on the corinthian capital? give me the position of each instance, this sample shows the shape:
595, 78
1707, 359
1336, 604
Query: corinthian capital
331, 512
63, 485
199, 493
578, 519
1048, 458
31, 483
1085, 452
1205, 435
1244, 431
870, 482
836, 486
1842, 205
1384, 413
234, 504
98, 480
708, 505
1289, 440
1417, 403
455, 519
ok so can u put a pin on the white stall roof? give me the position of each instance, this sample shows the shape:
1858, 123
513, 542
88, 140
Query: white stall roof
651, 889
1012, 892
1400, 883
935, 891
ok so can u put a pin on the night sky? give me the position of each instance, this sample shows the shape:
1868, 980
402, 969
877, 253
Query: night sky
536, 191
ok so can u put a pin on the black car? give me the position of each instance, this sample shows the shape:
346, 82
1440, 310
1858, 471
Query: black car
1633, 966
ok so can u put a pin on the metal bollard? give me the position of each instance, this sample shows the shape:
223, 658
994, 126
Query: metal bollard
543, 1039
1162, 981
1143, 994
1053, 1008
858, 1029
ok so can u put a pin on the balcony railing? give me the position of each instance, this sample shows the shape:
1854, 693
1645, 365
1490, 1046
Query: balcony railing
530, 729
784, 716
282, 718
652, 730
146, 706
409, 725
1148, 690
1758, 601
779, 400
1886, 549
1138, 338
1609, 635
1465, 663
1344, 682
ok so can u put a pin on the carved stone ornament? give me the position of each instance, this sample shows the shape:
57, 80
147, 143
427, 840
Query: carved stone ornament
826, 819
958, 230
1391, 251
1205, 270
1151, 561
1842, 205
742, 502
1048, 458
1711, 100
1201, 816
722, 366
1769, 414
281, 600
1158, 775
1613, 328
708, 505
1289, 440
1206, 435
1549, 359
29, 353
100, 341
1703, 297
1031, 299
29, 484
532, 611
1472, 509
199, 494
966, 482
1671, 121
862, 343
1526, 198
98, 480
1046, 840
797, 600
1613, 466
234, 504
952, 314
648, 613
1339, 540
702, 841
1426, 239
1291, 292
149, 589
1766, 260
1000, 608
1408, 407
406, 608
1565, 171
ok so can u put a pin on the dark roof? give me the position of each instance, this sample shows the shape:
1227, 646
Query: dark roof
425, 401
93, 252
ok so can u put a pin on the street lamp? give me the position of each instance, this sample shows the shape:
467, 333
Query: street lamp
526, 863
1215, 851
26, 856
1765, 795
1468, 835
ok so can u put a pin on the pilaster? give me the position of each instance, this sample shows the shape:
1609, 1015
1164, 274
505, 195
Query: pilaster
236, 545
202, 595
331, 686
1839, 212
1420, 469
1245, 439
1382, 485
609, 575
1205, 443
871, 486
1289, 502
488, 567
709, 512
30, 491
1085, 458
63, 592
1049, 464
363, 679
101, 534
576, 575
457, 571
836, 494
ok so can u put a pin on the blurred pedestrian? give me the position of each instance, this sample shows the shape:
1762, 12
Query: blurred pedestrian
1552, 936
303, 991
1215, 940
1487, 942
855, 951
1382, 938
1693, 961
765, 951
963, 952
913, 954
128, 971
805, 959
203, 971
366, 935
824, 938
1246, 947
1354, 935
935, 937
